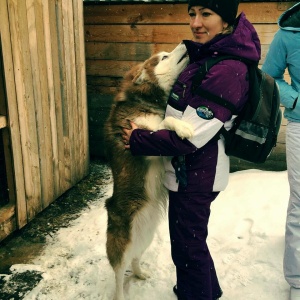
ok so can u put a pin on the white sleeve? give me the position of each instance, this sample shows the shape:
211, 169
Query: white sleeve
205, 125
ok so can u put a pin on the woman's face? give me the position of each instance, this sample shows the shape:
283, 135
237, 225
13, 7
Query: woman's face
205, 24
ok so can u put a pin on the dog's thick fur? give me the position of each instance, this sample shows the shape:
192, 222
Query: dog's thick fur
139, 198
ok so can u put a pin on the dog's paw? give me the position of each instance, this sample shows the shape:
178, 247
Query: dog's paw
184, 131
142, 275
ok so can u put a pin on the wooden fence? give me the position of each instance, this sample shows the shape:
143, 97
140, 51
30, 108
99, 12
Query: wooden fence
43, 105
118, 36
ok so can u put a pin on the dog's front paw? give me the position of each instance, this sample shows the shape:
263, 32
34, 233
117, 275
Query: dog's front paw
185, 130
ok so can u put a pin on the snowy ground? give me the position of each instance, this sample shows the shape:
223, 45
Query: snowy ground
246, 239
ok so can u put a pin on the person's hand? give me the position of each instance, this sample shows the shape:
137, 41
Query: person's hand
127, 134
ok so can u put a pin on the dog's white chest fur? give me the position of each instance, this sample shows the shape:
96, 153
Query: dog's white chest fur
147, 219
148, 121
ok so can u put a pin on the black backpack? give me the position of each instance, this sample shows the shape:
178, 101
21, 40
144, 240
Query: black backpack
255, 129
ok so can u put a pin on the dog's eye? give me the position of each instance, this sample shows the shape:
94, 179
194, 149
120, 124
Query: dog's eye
164, 57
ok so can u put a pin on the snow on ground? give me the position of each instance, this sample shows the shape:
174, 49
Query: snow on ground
246, 239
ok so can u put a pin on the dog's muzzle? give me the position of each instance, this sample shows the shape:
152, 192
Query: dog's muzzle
183, 56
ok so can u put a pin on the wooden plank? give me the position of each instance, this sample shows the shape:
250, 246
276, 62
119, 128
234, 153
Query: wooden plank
159, 13
106, 76
13, 115
122, 51
64, 86
136, 14
113, 68
71, 99
45, 122
78, 135
7, 212
96, 86
104, 81
98, 89
275, 162
51, 99
281, 137
26, 107
157, 34
81, 88
54, 61
264, 12
64, 48
7, 220
9, 166
270, 165
76, 139
2, 85
109, 68
139, 33
135, 51
40, 89
3, 122
99, 107
125, 51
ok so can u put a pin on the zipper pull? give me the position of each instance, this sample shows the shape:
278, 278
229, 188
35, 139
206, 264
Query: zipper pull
184, 88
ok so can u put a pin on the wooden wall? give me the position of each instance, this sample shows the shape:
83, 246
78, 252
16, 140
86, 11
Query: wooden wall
45, 118
117, 36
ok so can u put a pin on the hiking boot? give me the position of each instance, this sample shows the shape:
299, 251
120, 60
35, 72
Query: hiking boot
176, 293
221, 293
294, 294
175, 289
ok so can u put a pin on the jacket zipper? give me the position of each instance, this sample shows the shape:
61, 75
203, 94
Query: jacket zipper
184, 86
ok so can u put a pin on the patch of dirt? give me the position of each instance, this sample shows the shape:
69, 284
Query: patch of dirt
25, 244
16, 286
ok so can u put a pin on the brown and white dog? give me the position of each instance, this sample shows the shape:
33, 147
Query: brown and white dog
139, 198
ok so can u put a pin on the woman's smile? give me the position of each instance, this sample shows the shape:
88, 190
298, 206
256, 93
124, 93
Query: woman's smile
200, 34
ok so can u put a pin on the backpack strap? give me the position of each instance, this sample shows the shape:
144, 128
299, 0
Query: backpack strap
201, 73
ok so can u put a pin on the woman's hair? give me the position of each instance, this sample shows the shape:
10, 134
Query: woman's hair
227, 30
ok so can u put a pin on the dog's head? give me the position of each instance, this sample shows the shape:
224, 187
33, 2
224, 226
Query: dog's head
155, 77
163, 68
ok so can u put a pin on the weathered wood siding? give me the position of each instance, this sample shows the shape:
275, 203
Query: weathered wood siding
46, 106
119, 36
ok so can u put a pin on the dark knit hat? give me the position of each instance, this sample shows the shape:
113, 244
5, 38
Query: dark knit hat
227, 9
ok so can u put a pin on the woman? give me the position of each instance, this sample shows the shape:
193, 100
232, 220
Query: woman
200, 163
284, 53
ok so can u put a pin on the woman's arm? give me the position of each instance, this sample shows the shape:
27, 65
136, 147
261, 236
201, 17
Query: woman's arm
227, 79
275, 65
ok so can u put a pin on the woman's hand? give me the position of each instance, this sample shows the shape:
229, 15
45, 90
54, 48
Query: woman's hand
127, 134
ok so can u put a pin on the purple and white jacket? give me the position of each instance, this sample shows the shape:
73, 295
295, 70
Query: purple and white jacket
207, 165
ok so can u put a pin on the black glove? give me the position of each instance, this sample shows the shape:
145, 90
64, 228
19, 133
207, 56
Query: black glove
178, 163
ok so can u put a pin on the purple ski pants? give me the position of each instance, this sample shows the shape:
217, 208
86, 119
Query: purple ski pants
188, 220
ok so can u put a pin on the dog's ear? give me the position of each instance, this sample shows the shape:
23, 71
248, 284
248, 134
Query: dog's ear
140, 77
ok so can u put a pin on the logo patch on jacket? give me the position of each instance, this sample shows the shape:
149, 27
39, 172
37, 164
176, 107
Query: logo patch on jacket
205, 113
174, 96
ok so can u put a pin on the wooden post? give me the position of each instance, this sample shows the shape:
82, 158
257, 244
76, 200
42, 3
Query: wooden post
13, 117
46, 122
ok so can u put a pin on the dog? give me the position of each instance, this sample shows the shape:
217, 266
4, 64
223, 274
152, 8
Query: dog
139, 198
